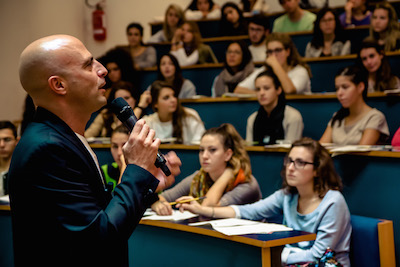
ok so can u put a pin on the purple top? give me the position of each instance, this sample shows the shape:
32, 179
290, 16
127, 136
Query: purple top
365, 21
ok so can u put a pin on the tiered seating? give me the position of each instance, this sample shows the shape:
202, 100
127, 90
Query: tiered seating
316, 110
323, 71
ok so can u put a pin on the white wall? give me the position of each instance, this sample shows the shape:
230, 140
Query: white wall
24, 21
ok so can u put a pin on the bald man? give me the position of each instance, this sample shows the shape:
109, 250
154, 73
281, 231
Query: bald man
62, 213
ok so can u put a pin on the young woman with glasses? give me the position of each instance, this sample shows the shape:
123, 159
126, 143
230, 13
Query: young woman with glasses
310, 200
282, 56
328, 39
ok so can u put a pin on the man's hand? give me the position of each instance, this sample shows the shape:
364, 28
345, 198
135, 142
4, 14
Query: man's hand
141, 148
174, 164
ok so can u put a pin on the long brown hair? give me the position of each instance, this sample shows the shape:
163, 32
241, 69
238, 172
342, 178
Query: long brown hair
178, 116
294, 57
197, 39
326, 177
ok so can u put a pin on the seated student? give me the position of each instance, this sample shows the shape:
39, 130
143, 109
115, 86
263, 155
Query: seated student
328, 39
113, 171
232, 20
237, 66
120, 67
356, 14
8, 141
295, 19
375, 65
168, 70
258, 30
396, 139
225, 175
274, 120
310, 200
106, 121
170, 119
143, 56
282, 56
188, 47
174, 18
385, 27
355, 123
202, 9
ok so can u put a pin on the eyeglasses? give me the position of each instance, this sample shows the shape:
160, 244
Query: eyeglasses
298, 163
274, 51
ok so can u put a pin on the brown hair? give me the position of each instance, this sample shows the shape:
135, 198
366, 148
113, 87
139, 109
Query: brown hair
178, 116
197, 39
294, 57
231, 139
326, 177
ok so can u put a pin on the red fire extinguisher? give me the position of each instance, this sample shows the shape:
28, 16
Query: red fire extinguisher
99, 26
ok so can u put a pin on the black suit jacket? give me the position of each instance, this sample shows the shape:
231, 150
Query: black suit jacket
61, 213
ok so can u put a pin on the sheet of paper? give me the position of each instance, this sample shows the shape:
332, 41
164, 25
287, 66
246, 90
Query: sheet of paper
225, 222
259, 228
241, 227
355, 148
5, 199
176, 216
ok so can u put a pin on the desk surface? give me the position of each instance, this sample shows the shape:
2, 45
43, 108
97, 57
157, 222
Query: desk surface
258, 240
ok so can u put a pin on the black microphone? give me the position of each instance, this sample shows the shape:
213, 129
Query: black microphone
125, 114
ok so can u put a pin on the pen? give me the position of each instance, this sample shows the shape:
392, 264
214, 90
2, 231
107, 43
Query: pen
186, 200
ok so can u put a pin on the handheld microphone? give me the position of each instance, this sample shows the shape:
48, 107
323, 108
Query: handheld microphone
125, 114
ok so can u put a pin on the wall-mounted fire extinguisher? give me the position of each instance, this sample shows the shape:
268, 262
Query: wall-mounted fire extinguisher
99, 26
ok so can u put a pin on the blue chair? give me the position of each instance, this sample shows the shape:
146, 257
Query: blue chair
372, 242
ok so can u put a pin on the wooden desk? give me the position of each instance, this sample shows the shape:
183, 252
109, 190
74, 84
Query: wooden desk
221, 250
167, 243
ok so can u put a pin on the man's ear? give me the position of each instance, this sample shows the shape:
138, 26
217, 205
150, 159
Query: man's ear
57, 85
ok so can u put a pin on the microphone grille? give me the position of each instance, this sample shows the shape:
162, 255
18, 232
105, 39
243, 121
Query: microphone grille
121, 108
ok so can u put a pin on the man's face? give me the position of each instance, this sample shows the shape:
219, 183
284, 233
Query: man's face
256, 33
85, 78
7, 143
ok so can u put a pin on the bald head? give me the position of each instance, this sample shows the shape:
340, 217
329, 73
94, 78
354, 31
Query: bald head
42, 59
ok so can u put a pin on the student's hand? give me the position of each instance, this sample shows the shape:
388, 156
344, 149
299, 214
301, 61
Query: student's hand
272, 61
348, 6
192, 206
162, 207
177, 35
145, 99
348, 10
174, 164
141, 148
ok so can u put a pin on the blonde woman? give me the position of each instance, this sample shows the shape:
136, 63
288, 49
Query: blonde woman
385, 27
225, 175
174, 18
